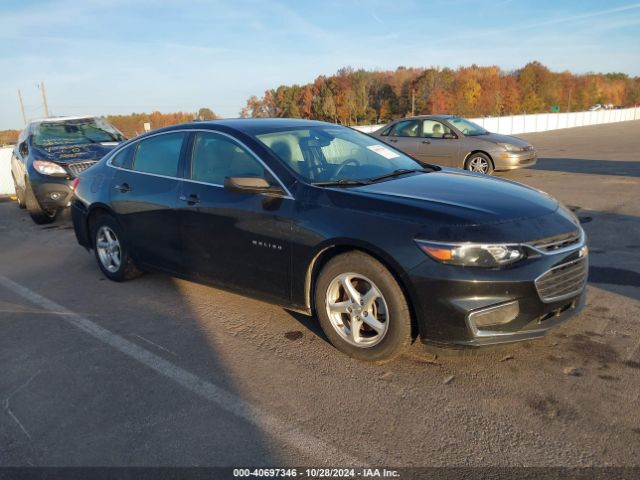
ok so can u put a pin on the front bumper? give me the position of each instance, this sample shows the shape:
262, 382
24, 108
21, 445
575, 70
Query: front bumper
512, 160
447, 298
52, 192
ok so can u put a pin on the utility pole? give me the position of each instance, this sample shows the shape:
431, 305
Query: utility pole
44, 99
413, 102
569, 102
24, 117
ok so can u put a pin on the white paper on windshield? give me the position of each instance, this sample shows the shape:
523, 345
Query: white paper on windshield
382, 150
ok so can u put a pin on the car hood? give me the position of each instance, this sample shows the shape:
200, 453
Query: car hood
454, 205
498, 138
69, 153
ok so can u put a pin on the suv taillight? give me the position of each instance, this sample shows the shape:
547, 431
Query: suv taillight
76, 182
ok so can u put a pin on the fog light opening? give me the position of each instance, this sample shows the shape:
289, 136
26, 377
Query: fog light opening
493, 317
55, 195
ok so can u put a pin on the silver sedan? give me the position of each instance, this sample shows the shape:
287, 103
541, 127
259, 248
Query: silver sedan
457, 142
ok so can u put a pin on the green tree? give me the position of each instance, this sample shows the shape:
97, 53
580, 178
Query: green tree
206, 114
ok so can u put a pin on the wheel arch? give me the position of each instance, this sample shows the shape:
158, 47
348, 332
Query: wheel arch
93, 213
330, 250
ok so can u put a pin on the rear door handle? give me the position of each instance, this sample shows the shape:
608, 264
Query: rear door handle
393, 140
426, 141
123, 188
192, 199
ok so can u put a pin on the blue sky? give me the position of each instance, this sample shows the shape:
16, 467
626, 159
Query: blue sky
121, 56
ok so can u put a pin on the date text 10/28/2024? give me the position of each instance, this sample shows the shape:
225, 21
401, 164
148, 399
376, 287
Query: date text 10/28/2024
315, 472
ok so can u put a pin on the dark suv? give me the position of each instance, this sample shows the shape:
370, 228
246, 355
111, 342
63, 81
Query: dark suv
50, 153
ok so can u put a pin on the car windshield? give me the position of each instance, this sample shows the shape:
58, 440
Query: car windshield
75, 132
467, 127
335, 154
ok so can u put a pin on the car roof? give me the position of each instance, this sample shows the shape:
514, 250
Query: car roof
439, 116
61, 119
250, 123
252, 126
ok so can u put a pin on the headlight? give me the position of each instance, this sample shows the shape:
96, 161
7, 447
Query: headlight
511, 148
48, 168
473, 254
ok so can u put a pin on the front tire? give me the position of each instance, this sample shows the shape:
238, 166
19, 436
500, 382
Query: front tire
479, 163
361, 308
111, 250
19, 193
38, 213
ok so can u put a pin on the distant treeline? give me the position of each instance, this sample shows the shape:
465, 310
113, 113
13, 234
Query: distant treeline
354, 97
9, 136
133, 124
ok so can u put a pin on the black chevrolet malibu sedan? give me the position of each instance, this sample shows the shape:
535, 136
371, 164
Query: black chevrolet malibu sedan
328, 221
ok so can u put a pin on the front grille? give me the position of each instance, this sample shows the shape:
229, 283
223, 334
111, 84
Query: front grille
563, 281
527, 148
76, 168
556, 243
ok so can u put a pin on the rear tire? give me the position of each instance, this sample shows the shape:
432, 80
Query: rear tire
479, 163
361, 308
39, 215
110, 246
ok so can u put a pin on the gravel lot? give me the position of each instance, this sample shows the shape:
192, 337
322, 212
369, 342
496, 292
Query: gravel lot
161, 371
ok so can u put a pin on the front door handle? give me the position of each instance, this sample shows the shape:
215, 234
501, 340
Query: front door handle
123, 188
393, 140
192, 199
426, 141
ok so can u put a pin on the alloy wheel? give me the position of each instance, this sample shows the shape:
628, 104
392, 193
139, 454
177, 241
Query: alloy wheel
479, 165
108, 247
357, 310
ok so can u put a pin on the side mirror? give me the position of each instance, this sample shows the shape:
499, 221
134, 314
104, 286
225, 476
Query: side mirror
449, 136
23, 148
250, 185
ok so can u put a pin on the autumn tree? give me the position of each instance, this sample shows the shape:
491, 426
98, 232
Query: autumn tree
359, 96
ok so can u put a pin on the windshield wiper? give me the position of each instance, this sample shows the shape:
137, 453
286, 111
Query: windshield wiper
347, 182
398, 172
343, 182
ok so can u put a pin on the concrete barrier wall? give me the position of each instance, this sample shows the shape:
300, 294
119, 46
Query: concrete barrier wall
6, 183
542, 122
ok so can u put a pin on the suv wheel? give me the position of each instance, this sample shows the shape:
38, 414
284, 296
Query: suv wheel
111, 251
38, 213
361, 308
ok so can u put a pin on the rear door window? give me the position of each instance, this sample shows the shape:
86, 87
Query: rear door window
159, 155
122, 158
406, 128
